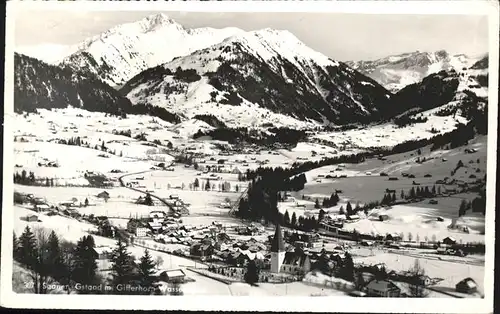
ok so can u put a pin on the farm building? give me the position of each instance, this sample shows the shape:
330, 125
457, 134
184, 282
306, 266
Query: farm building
173, 275
382, 288
353, 217
449, 241
383, 217
41, 207
31, 218
157, 216
467, 285
103, 195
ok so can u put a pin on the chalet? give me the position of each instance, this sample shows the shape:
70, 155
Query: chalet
200, 249
31, 218
449, 241
467, 285
103, 195
154, 226
157, 216
103, 252
383, 217
353, 217
441, 250
172, 276
41, 207
382, 288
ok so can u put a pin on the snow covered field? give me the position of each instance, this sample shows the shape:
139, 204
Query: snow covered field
419, 221
388, 134
450, 272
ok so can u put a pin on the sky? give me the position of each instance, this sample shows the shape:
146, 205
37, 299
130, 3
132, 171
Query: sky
339, 36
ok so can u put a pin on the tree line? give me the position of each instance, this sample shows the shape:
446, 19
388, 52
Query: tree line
30, 179
74, 266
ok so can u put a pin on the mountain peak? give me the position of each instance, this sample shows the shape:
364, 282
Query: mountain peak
155, 21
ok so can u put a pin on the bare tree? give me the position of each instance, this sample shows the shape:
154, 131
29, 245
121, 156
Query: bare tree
39, 272
417, 280
159, 261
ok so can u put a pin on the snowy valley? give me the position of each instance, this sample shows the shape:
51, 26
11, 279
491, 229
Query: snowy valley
227, 147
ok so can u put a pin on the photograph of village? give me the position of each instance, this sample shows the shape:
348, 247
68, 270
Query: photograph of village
174, 153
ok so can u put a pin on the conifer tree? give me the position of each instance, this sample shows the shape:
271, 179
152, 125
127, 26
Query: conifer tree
294, 219
286, 219
393, 197
84, 263
349, 208
252, 273
146, 271
15, 246
55, 262
316, 204
27, 248
123, 266
402, 194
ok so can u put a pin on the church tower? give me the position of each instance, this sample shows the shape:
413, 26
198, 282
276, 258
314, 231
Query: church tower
277, 250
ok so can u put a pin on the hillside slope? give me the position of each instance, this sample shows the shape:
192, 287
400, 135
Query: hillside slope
38, 85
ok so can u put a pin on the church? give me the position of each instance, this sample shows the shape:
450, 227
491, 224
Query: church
287, 262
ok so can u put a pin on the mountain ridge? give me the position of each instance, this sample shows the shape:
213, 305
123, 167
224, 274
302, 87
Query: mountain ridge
397, 71
125, 50
270, 68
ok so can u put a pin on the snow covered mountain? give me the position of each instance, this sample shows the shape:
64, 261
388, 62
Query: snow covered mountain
453, 93
261, 77
38, 85
397, 71
118, 54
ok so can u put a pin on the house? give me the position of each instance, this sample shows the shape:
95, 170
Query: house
441, 250
200, 249
133, 224
382, 288
467, 285
172, 276
103, 252
103, 195
31, 218
383, 217
141, 232
154, 226
41, 207
449, 241
157, 216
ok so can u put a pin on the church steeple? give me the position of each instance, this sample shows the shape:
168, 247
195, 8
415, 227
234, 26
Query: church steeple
278, 245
